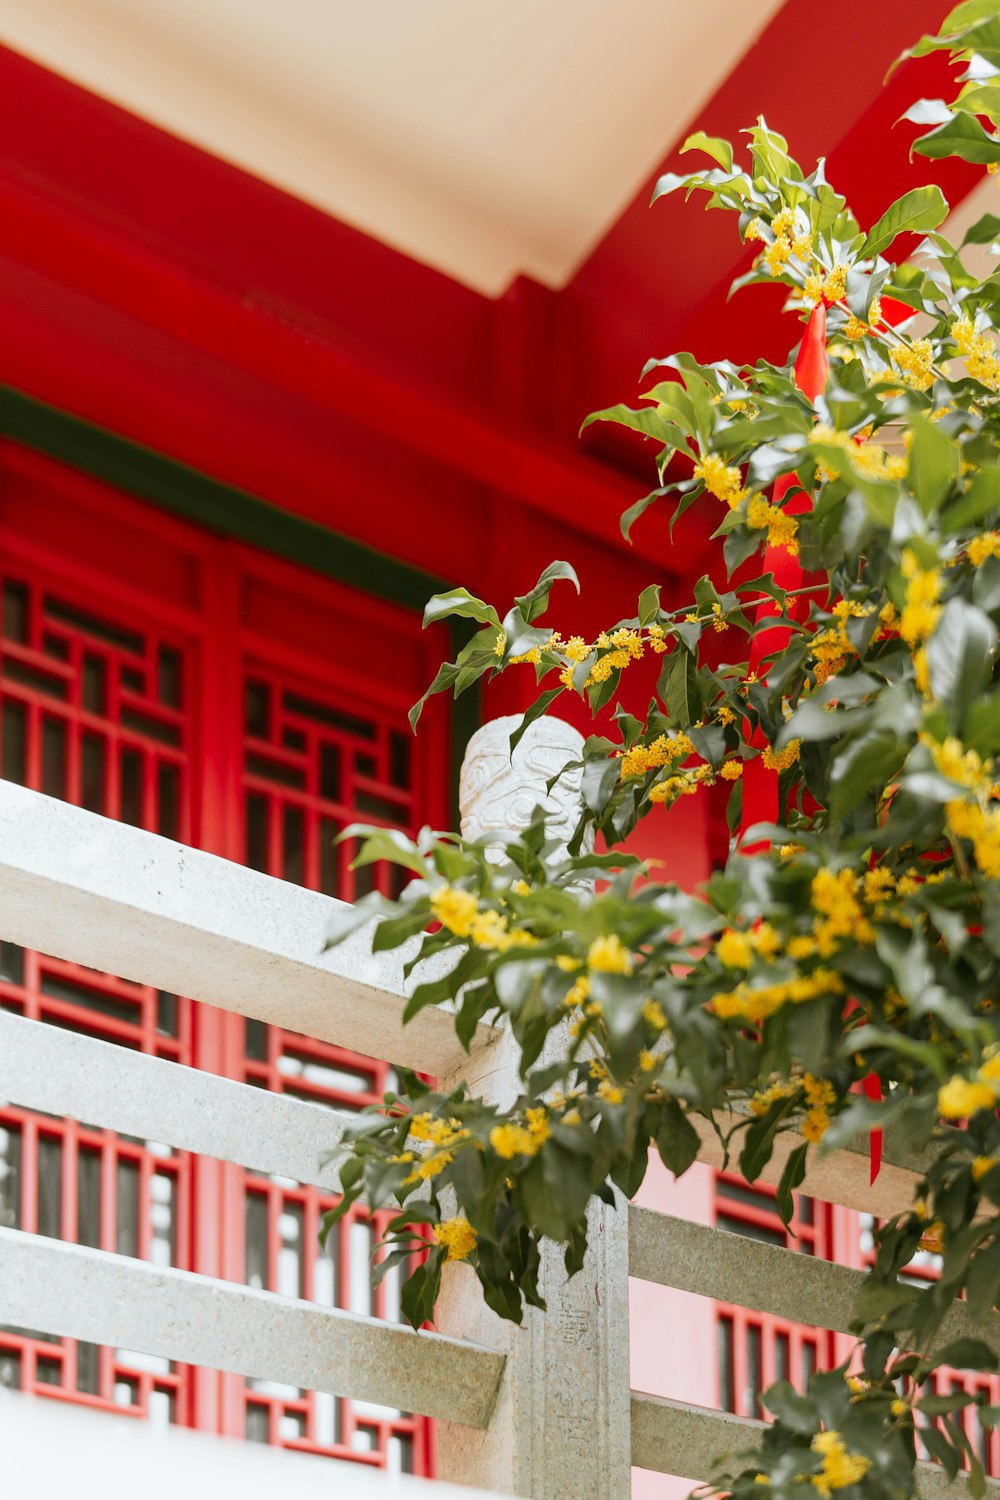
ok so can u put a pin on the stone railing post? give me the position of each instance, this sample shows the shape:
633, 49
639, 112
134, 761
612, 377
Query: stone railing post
561, 1429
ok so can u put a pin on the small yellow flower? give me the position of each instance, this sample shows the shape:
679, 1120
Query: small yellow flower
608, 956
458, 1238
959, 1098
454, 909
734, 950
732, 770
981, 1165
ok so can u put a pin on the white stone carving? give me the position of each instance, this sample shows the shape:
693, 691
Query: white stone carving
498, 793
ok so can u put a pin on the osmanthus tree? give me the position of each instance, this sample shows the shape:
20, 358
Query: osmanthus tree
845, 974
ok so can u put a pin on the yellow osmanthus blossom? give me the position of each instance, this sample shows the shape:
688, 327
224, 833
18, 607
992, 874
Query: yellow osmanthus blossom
982, 547
854, 329
733, 950
756, 1003
840, 1467
653, 1015
725, 714
981, 359
732, 770
458, 1238
576, 648
754, 230
960, 1098
429, 1167
425, 1127
685, 784
762, 1101
981, 1165
663, 751
976, 820
782, 529
720, 480
915, 361
607, 955
764, 940
814, 287
647, 1061
511, 1140
500, 644
921, 611
835, 287
780, 760
610, 1092
454, 909
577, 993
834, 897
658, 642
820, 1094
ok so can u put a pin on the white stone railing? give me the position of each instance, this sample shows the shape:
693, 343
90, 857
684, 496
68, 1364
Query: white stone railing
543, 1410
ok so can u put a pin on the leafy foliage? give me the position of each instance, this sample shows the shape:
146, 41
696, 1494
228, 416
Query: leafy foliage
863, 942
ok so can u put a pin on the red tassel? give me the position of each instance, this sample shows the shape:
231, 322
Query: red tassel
872, 1086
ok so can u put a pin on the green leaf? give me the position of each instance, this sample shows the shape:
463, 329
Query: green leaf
959, 657
980, 500
796, 1412
961, 136
920, 208
676, 1138
460, 602
792, 1174
983, 231
383, 843
713, 145
934, 463
966, 1354
534, 603
649, 604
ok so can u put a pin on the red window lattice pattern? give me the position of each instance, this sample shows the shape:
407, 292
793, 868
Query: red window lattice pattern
755, 1350
109, 702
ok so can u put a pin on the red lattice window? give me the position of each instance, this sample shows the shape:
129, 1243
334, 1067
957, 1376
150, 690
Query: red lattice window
92, 711
924, 1268
151, 673
756, 1349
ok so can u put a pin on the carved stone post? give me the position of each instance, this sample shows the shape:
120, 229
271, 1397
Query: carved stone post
561, 1429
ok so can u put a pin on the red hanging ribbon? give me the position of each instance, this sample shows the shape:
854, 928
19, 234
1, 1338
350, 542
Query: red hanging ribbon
760, 786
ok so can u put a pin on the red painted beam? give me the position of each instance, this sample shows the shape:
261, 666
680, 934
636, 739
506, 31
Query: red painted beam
163, 294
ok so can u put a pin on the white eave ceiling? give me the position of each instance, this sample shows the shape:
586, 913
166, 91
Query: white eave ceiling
484, 139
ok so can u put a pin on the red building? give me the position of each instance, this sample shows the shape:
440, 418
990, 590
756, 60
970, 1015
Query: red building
297, 328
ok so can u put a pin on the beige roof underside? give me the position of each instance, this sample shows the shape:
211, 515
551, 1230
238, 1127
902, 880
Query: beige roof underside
484, 139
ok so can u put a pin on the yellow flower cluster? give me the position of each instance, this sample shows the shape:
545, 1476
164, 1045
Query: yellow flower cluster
720, 480
960, 1097
840, 1468
657, 639
606, 955
577, 993
458, 1238
820, 1095
982, 547
500, 644
652, 1014
915, 361
981, 1165
761, 1102
732, 770
832, 648
685, 784
627, 646
745, 1003
736, 949
921, 611
459, 912
981, 359
782, 529
780, 760
835, 287
786, 242
834, 897
977, 820
454, 909
663, 751
513, 1140
440, 1132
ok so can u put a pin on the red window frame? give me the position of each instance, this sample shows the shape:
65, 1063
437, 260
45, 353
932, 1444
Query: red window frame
231, 613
